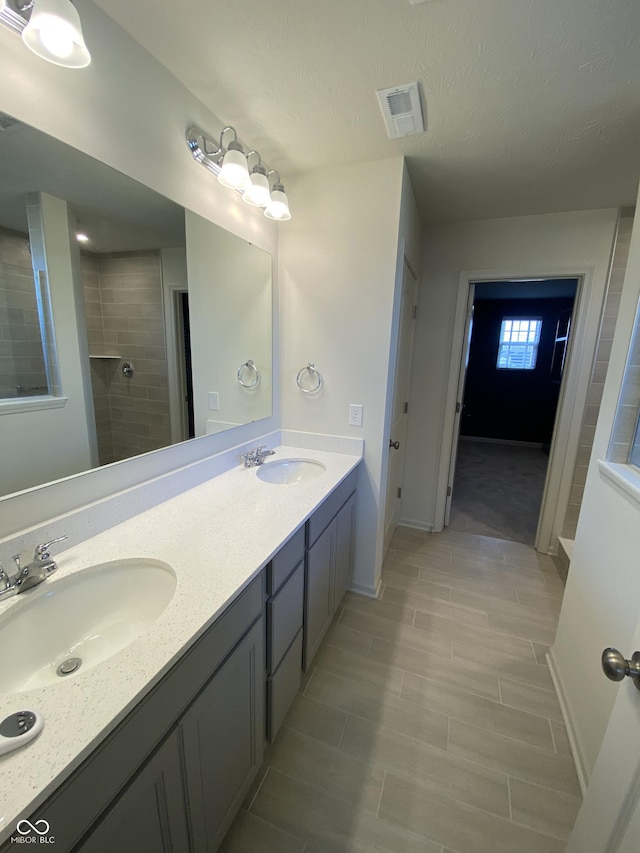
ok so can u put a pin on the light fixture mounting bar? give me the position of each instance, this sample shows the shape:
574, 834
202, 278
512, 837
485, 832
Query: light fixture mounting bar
208, 152
205, 151
10, 16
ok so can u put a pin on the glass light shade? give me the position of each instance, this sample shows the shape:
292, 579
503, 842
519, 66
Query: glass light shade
278, 207
234, 173
257, 193
54, 33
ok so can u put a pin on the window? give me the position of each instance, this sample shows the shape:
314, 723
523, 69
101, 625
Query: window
634, 455
624, 446
519, 339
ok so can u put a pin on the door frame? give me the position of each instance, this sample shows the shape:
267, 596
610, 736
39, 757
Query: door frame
457, 418
175, 361
406, 265
571, 402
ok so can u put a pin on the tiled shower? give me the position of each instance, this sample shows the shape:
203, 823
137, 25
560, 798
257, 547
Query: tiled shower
125, 324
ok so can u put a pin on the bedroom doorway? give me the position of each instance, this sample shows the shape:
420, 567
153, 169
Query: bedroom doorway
516, 345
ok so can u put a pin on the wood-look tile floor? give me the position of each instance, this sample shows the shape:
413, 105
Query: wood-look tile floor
429, 721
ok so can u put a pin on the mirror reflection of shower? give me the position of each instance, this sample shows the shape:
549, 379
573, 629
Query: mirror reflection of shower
66, 405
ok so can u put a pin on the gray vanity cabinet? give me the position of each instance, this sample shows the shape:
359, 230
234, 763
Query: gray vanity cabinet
285, 607
345, 527
222, 736
185, 756
319, 595
150, 817
329, 564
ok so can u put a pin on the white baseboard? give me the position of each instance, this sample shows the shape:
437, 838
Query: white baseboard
576, 751
417, 525
362, 589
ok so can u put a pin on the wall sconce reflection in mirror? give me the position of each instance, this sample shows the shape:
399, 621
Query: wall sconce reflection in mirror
231, 166
49, 28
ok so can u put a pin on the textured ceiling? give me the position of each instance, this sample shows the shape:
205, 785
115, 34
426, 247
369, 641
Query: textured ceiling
532, 106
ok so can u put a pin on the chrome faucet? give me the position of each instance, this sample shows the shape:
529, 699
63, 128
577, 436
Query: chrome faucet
38, 570
255, 457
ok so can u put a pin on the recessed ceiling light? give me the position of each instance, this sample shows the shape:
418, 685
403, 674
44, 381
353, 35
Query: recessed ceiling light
82, 238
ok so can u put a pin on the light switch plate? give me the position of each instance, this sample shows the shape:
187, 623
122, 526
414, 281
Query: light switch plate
214, 401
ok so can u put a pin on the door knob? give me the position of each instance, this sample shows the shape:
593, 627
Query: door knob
616, 667
394, 444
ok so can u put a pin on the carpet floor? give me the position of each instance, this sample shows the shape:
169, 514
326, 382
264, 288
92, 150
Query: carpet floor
497, 490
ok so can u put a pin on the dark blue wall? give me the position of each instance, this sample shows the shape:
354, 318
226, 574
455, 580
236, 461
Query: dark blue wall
518, 405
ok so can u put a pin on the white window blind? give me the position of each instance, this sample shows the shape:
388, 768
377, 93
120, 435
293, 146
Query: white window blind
518, 346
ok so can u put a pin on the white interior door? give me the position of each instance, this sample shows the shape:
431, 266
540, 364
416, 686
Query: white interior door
629, 843
459, 398
400, 400
609, 820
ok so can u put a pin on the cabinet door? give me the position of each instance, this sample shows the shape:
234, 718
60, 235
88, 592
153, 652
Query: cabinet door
150, 815
319, 592
345, 526
223, 740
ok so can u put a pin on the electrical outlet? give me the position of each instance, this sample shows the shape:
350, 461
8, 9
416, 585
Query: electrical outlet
356, 411
214, 401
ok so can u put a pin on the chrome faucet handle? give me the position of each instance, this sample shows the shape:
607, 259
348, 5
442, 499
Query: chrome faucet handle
42, 551
4, 579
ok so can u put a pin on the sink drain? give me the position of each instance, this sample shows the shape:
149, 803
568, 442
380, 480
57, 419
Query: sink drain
69, 665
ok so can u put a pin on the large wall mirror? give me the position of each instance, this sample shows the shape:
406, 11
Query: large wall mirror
154, 330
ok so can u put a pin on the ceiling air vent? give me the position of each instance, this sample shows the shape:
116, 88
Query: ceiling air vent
401, 110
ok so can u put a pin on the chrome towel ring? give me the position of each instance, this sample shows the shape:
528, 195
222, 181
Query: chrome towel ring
310, 375
245, 371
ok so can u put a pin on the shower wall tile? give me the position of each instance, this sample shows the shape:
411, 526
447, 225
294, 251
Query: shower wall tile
599, 373
129, 288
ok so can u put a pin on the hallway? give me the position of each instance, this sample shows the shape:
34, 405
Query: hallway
428, 723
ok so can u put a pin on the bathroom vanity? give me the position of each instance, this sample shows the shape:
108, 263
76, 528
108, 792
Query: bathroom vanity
155, 748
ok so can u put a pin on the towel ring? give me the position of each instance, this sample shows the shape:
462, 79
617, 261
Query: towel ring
250, 367
309, 370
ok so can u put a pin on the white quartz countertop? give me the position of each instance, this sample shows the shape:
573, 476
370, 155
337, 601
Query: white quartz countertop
216, 537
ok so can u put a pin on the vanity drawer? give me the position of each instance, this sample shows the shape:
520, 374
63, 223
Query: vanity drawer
330, 507
287, 558
283, 687
284, 617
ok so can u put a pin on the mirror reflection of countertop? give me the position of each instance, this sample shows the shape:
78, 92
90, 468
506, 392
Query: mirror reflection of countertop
216, 537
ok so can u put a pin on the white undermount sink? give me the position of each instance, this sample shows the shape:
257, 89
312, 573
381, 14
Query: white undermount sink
74, 623
285, 472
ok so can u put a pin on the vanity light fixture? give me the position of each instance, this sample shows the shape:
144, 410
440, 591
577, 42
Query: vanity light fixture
81, 237
234, 172
257, 193
50, 28
278, 207
254, 185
